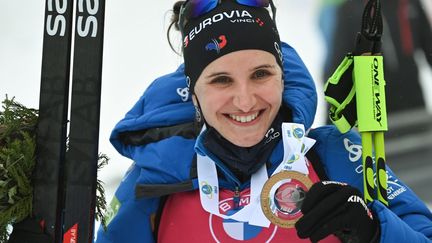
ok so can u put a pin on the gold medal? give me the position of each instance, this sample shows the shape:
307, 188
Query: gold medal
282, 197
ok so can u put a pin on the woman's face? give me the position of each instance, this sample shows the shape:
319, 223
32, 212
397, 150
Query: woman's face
240, 94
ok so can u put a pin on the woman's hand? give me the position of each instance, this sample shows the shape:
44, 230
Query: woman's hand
336, 208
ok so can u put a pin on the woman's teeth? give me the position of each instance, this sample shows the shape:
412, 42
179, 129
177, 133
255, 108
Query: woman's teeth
244, 119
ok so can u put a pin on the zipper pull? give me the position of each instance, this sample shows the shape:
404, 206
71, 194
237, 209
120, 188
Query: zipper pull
236, 198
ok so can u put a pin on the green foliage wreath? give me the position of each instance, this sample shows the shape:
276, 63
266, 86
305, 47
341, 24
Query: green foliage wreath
17, 161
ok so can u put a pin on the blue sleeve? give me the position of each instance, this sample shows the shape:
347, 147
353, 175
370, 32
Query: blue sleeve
128, 218
412, 225
407, 219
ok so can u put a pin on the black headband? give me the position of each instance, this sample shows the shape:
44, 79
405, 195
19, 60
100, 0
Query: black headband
229, 27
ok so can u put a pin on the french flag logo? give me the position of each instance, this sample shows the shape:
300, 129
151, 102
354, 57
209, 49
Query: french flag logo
217, 45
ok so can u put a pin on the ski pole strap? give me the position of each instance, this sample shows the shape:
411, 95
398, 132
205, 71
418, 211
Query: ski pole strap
372, 26
356, 94
339, 92
368, 40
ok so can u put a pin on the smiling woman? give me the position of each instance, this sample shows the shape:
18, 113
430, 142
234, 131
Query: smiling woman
224, 150
240, 94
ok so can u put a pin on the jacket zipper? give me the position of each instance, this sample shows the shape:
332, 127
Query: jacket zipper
236, 198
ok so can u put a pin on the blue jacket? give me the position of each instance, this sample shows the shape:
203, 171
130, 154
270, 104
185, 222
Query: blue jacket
166, 162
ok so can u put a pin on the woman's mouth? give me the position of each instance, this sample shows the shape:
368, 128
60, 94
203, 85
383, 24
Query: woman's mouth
244, 118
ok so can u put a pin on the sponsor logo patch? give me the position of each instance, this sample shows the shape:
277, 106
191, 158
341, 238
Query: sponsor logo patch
183, 93
216, 45
354, 150
112, 210
229, 230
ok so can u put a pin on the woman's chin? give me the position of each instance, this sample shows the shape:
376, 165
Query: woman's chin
246, 141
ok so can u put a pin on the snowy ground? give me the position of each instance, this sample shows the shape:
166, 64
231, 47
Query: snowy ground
135, 53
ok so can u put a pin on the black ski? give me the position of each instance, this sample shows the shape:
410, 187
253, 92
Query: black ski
82, 154
65, 181
53, 111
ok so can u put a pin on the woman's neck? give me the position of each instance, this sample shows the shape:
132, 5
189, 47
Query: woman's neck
244, 161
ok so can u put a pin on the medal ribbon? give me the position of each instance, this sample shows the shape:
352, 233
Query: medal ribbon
209, 189
296, 145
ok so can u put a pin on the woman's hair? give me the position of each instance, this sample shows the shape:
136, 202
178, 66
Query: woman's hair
174, 23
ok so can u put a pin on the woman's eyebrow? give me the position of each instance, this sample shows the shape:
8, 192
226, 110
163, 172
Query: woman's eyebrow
216, 74
211, 75
263, 66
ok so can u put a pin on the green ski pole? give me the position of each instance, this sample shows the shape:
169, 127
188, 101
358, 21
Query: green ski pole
372, 122
360, 75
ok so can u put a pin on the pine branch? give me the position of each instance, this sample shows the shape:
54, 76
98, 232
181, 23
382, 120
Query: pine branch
101, 205
17, 161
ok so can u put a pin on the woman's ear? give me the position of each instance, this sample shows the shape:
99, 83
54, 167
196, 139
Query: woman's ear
198, 115
194, 100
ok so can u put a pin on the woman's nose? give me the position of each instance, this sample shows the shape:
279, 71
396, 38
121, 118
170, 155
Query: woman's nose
244, 98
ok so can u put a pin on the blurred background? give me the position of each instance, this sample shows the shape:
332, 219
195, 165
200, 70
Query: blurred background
322, 31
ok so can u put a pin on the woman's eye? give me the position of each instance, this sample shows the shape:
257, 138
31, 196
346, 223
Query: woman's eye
221, 80
261, 74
